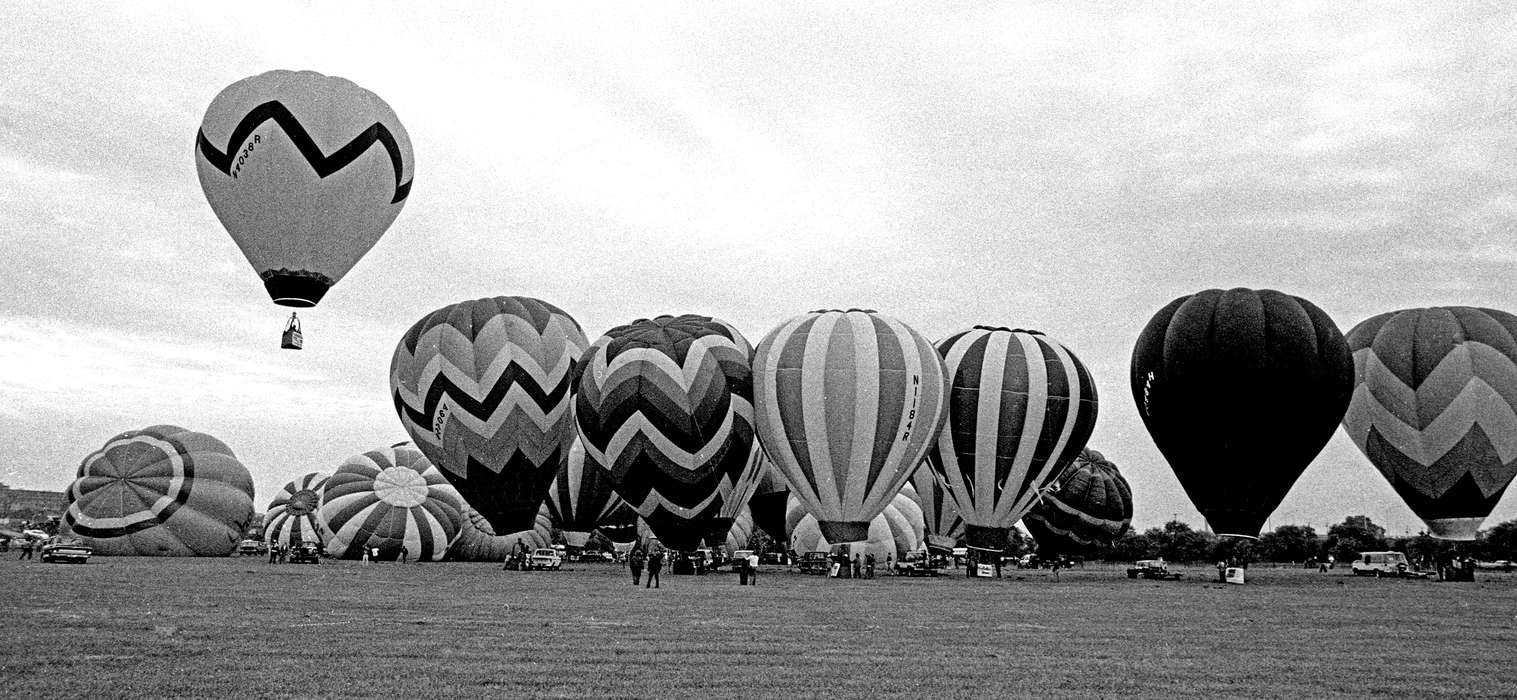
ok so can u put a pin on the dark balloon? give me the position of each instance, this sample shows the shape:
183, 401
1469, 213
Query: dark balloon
1091, 505
1240, 390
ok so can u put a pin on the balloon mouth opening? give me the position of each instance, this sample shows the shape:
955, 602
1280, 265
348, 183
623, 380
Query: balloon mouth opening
1235, 535
301, 289
843, 532
987, 539
1455, 529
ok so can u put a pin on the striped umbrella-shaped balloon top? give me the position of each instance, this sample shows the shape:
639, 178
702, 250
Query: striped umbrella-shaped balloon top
666, 406
294, 516
484, 388
1020, 408
581, 497
898, 529
161, 491
389, 498
944, 527
848, 403
477, 540
1090, 505
1433, 409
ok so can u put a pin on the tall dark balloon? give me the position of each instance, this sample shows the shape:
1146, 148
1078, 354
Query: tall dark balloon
1433, 409
1240, 390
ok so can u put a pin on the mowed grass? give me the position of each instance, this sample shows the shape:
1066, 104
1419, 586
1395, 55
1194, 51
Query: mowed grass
239, 627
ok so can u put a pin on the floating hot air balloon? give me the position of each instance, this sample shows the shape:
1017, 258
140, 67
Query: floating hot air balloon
1433, 409
848, 403
477, 540
306, 172
581, 497
389, 498
1240, 390
483, 387
944, 527
898, 529
1090, 505
161, 491
1020, 408
666, 405
294, 516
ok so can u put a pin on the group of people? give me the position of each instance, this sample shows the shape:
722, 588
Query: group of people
857, 567
654, 561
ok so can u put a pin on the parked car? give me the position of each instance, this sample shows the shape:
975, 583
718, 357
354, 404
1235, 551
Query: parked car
1498, 565
916, 564
249, 547
306, 553
545, 558
69, 550
1380, 564
1152, 569
814, 563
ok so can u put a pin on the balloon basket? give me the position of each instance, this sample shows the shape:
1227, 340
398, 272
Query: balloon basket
291, 339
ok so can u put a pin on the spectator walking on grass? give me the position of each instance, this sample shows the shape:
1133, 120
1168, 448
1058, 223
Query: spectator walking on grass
655, 562
869, 565
635, 562
858, 567
753, 562
26, 550
404, 553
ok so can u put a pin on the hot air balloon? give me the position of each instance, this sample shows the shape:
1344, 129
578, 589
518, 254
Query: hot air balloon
483, 387
898, 529
389, 498
581, 497
306, 172
161, 491
477, 540
848, 403
1090, 505
620, 526
1433, 409
767, 504
294, 516
740, 490
1240, 390
666, 405
943, 526
1020, 408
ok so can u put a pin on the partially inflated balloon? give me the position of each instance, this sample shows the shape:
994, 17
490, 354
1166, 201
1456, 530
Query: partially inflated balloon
1240, 391
666, 405
161, 491
1091, 505
390, 498
1433, 409
898, 529
848, 403
294, 516
306, 172
477, 540
581, 497
483, 387
1020, 407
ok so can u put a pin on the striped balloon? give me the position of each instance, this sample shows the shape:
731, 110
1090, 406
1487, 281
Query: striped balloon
767, 504
294, 516
944, 526
483, 387
666, 405
848, 403
898, 528
1433, 409
1020, 408
1090, 505
477, 541
742, 530
581, 496
389, 498
161, 491
743, 488
620, 526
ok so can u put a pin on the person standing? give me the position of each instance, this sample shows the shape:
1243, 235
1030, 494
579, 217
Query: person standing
273, 553
742, 572
655, 563
869, 565
366, 555
635, 562
857, 567
404, 553
26, 549
753, 562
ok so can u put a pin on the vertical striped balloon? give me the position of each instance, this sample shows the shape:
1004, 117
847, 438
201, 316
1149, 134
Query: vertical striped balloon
1020, 409
388, 498
580, 497
898, 529
847, 404
294, 516
944, 526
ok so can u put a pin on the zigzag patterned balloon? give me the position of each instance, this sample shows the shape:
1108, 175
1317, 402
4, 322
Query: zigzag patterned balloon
294, 516
483, 387
667, 406
581, 497
1434, 393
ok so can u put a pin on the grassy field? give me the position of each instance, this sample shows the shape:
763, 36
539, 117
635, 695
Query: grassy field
238, 627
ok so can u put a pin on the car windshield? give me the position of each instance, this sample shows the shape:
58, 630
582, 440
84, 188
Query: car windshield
546, 552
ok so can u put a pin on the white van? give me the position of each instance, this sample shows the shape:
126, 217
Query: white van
1381, 564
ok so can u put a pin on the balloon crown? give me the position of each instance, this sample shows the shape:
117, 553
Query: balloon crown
843, 311
1028, 331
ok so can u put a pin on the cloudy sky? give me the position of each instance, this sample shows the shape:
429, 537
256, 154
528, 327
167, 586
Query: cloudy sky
1058, 166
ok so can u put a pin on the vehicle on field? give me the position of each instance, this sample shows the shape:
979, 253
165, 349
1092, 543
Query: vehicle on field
68, 550
306, 553
249, 547
1498, 565
818, 563
545, 558
916, 564
1152, 569
738, 560
772, 558
1380, 564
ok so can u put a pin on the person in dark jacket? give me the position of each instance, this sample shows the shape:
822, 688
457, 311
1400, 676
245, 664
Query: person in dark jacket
635, 562
655, 563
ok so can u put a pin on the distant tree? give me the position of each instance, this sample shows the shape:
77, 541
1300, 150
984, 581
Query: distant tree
1357, 533
1019, 543
1131, 546
1176, 541
1501, 541
1423, 549
1289, 543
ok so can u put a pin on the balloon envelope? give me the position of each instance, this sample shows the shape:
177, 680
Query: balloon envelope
1240, 390
1091, 505
294, 516
898, 529
389, 498
477, 540
581, 497
848, 403
944, 529
306, 172
1433, 409
161, 491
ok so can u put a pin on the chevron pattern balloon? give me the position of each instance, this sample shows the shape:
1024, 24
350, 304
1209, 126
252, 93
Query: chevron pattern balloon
389, 498
848, 402
1020, 409
944, 527
484, 388
294, 516
1433, 409
581, 496
1090, 505
666, 405
740, 494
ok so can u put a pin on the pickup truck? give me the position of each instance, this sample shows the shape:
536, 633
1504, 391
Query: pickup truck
70, 551
915, 564
818, 563
1152, 569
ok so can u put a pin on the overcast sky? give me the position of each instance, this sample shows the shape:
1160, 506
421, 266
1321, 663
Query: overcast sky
1070, 168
